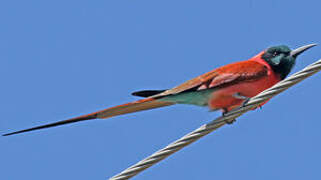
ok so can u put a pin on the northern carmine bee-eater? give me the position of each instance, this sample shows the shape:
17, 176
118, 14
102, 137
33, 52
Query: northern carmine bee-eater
223, 88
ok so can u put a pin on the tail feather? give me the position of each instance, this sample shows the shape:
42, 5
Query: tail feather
140, 105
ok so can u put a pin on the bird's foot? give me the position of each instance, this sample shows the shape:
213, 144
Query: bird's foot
228, 121
245, 102
240, 96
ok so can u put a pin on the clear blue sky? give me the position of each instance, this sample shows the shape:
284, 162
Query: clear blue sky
60, 59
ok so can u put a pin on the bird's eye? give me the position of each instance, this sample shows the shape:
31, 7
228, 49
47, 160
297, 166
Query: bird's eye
275, 53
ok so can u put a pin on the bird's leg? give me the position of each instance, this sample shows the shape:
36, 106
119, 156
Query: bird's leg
239, 96
230, 121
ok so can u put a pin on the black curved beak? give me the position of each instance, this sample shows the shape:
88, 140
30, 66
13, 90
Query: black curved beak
296, 52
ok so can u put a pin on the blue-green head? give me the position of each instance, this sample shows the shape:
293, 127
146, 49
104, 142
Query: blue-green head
282, 58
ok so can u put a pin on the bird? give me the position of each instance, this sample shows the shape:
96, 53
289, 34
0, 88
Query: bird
223, 88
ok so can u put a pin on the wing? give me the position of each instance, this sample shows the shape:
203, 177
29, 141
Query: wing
223, 76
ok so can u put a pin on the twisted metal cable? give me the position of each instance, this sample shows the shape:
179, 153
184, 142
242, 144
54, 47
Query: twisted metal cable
219, 122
